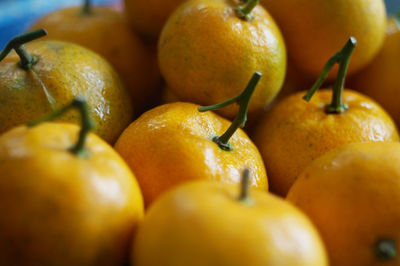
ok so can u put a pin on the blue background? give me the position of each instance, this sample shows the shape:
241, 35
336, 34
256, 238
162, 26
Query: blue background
17, 15
393, 5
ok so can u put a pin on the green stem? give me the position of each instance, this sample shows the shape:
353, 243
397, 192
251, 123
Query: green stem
342, 58
87, 124
396, 16
385, 249
244, 185
86, 7
17, 43
244, 11
243, 100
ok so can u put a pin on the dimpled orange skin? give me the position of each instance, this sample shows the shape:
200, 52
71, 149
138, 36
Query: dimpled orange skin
352, 196
207, 54
149, 17
105, 31
63, 71
295, 132
171, 144
185, 227
60, 209
380, 79
319, 28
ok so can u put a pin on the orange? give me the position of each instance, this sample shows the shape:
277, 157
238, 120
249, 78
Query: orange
295, 132
106, 32
352, 196
59, 208
171, 144
209, 223
380, 79
149, 17
207, 52
175, 143
61, 72
315, 29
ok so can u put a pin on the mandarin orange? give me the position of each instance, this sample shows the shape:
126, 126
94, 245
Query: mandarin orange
294, 133
49, 74
352, 196
208, 49
316, 29
106, 32
175, 143
209, 223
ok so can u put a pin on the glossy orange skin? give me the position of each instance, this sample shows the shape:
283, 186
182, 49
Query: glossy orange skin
106, 32
207, 54
352, 196
171, 144
62, 72
314, 30
61, 209
203, 223
294, 132
380, 79
149, 17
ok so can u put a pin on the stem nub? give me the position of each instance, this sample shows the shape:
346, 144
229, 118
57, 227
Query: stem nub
396, 16
342, 58
244, 185
244, 11
243, 100
87, 124
17, 43
385, 249
87, 7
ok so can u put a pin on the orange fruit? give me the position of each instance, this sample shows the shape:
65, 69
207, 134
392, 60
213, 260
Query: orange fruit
319, 28
59, 208
352, 196
175, 143
149, 17
61, 72
380, 79
204, 66
209, 223
106, 32
171, 144
294, 132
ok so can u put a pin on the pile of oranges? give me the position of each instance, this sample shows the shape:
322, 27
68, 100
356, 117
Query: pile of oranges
124, 137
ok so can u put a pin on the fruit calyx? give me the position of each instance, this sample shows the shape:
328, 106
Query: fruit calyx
342, 58
87, 7
396, 17
17, 43
79, 103
385, 249
243, 100
245, 11
244, 186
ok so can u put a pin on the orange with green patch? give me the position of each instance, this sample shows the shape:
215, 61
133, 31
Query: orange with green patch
49, 74
106, 32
